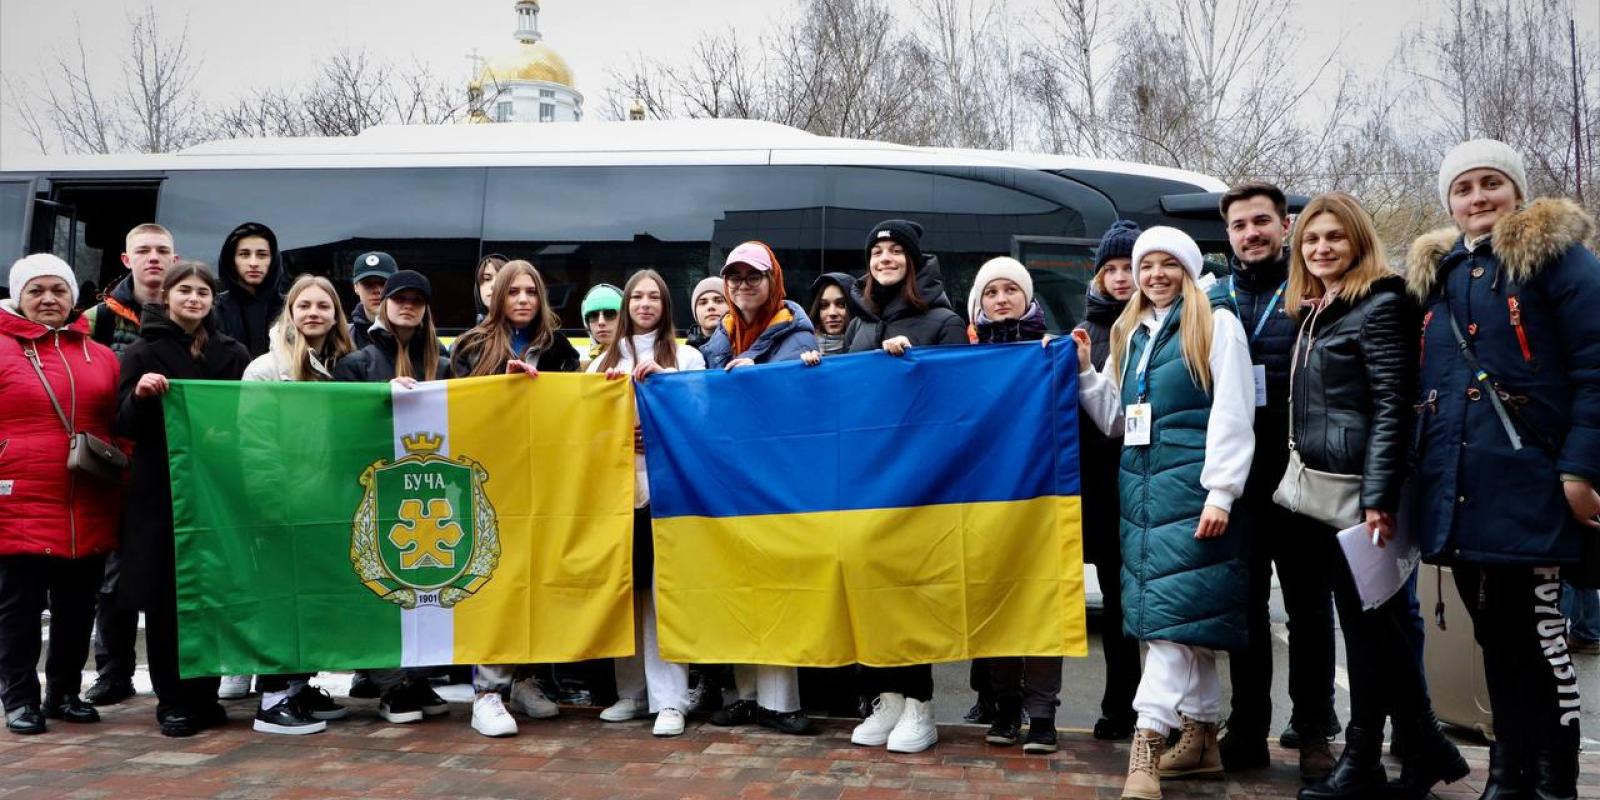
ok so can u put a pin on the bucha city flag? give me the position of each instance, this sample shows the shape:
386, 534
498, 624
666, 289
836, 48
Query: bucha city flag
870, 509
338, 526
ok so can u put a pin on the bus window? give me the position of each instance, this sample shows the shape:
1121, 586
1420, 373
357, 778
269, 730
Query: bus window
1061, 269
16, 198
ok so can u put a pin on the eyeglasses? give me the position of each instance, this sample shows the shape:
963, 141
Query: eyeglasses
609, 314
747, 279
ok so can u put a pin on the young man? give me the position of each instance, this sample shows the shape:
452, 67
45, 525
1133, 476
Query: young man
148, 251
368, 275
1257, 219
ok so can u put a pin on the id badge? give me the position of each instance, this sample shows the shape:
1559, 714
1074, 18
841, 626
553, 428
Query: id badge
1136, 425
1260, 373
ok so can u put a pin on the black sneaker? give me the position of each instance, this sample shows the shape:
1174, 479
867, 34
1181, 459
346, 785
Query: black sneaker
362, 687
744, 712
429, 701
400, 705
794, 723
108, 691
68, 708
286, 717
318, 704
1041, 736
1114, 729
1290, 738
25, 721
178, 724
981, 713
1242, 752
1004, 732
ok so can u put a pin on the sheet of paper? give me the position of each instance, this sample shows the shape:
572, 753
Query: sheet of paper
1379, 571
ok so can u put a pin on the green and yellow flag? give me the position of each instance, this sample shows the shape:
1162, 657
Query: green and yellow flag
337, 526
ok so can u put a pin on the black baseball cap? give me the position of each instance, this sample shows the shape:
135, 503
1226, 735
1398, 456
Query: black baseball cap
376, 264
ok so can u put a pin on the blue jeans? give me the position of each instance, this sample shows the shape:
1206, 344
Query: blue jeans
1581, 607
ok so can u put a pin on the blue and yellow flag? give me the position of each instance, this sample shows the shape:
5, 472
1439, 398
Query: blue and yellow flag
872, 509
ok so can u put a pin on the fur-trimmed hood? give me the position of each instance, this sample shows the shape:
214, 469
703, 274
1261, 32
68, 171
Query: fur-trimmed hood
1524, 241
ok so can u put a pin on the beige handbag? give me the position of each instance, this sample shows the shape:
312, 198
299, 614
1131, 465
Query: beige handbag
1328, 497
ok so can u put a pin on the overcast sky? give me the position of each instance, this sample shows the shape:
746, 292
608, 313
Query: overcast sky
276, 42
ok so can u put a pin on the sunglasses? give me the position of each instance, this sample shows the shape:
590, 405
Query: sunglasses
607, 313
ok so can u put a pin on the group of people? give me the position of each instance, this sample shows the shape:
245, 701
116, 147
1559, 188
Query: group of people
1461, 398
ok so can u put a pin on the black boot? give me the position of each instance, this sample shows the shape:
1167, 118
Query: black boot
1429, 759
1358, 775
1506, 778
1555, 772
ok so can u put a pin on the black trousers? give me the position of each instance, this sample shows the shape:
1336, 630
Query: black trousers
1302, 552
1123, 665
28, 585
915, 681
1533, 684
116, 630
173, 694
1385, 676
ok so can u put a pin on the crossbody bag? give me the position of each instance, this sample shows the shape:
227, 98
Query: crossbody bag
87, 454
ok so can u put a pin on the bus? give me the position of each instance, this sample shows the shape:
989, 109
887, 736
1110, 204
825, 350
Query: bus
591, 202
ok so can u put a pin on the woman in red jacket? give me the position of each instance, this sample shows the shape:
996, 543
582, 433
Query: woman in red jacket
56, 525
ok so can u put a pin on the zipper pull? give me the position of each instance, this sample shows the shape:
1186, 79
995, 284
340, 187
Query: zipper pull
1515, 308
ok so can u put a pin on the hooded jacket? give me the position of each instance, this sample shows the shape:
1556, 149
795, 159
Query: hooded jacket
835, 344
1098, 453
360, 324
940, 324
782, 341
1526, 299
46, 509
163, 348
1353, 384
242, 314
114, 321
375, 362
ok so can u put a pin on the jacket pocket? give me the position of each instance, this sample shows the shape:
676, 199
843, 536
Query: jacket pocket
1184, 437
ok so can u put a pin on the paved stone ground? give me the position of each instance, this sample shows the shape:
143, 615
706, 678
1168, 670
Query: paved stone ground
577, 756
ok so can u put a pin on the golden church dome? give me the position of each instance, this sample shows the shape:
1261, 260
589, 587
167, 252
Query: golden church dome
530, 61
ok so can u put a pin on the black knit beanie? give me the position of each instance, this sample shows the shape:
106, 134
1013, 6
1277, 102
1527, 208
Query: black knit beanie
904, 231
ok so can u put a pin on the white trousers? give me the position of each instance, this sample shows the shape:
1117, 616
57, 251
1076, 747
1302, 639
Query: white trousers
773, 688
1179, 681
644, 675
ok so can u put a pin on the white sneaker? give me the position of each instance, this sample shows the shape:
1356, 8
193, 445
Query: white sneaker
527, 697
874, 730
669, 722
623, 710
234, 687
915, 732
490, 717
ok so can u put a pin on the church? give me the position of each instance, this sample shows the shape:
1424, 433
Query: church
529, 83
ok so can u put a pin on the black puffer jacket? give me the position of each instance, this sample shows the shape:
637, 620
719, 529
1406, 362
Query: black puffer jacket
1354, 376
1099, 456
1253, 289
360, 323
937, 325
560, 356
243, 314
375, 362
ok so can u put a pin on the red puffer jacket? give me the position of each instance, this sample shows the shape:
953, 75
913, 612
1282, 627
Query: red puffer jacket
44, 508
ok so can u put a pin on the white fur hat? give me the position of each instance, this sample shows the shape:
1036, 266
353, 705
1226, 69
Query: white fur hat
40, 265
1173, 242
994, 269
1481, 154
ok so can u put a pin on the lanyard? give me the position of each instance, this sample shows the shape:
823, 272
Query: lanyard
1142, 371
1266, 313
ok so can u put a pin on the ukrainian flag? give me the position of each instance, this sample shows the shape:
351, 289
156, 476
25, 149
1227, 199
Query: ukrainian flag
873, 509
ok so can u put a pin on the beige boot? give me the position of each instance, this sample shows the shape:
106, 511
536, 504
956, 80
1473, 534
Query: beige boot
1195, 753
1144, 781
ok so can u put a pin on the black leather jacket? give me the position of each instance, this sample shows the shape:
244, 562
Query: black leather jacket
1354, 371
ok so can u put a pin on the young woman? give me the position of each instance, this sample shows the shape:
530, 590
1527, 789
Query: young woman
646, 343
1003, 309
1178, 383
1350, 390
251, 272
764, 326
517, 333
56, 524
1098, 455
903, 305
709, 306
483, 283
178, 339
405, 349
405, 343
309, 337
518, 325
1507, 451
600, 309
830, 311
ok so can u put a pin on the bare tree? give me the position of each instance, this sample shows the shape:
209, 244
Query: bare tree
1062, 77
163, 113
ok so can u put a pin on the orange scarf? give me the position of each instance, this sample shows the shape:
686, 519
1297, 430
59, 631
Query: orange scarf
743, 336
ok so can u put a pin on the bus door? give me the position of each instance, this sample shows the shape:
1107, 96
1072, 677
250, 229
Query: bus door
85, 223
16, 215
1061, 268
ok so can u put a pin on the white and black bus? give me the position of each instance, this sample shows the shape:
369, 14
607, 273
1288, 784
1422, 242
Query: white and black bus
591, 202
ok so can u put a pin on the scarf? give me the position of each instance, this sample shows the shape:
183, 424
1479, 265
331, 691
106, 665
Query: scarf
742, 335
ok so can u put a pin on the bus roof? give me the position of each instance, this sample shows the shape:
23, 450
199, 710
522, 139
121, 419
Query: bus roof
664, 142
